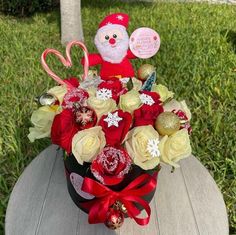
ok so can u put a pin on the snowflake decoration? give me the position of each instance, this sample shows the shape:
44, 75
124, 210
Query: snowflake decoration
152, 147
84, 116
113, 119
146, 99
104, 94
120, 17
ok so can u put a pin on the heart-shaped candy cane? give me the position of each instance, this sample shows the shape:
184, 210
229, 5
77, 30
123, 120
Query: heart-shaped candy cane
65, 61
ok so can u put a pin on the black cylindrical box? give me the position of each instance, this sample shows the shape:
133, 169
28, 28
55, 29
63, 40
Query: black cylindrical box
72, 166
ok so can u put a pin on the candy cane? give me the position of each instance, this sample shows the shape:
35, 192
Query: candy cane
86, 60
65, 61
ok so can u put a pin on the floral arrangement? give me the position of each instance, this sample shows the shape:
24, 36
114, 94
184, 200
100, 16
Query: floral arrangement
114, 125
115, 133
133, 123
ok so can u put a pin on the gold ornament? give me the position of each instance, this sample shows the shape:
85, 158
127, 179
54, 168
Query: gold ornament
167, 123
120, 206
123, 209
145, 71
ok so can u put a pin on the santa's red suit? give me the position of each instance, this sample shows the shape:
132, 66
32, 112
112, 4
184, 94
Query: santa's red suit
112, 43
111, 70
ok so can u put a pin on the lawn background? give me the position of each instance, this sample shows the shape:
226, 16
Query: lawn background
196, 60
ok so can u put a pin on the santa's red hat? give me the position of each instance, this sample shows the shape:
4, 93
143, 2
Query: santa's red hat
116, 18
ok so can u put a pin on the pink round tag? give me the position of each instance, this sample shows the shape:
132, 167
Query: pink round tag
77, 182
144, 42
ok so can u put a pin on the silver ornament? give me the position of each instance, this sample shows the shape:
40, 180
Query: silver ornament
46, 99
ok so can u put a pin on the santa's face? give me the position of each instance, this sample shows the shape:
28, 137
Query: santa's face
112, 42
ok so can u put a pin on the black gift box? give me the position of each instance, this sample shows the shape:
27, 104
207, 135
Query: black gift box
72, 166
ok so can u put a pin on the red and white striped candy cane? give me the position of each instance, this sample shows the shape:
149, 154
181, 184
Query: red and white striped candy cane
65, 61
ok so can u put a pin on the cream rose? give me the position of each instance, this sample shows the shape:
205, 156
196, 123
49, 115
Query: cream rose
87, 144
42, 119
59, 92
91, 91
137, 84
130, 101
101, 107
175, 147
174, 104
163, 92
137, 145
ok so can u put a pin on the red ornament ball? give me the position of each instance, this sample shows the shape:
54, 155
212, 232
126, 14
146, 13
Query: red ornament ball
85, 117
115, 219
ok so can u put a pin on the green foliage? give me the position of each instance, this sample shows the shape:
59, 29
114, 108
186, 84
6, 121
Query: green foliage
26, 7
196, 60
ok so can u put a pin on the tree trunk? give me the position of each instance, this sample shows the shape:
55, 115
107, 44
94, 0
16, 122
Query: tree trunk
71, 24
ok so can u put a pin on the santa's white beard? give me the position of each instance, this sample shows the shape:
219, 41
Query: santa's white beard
110, 53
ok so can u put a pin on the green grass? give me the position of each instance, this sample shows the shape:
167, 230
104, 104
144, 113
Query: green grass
197, 61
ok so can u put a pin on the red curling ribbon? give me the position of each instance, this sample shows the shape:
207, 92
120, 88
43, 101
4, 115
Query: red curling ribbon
129, 196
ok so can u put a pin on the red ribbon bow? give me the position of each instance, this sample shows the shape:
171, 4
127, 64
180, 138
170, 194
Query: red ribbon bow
129, 196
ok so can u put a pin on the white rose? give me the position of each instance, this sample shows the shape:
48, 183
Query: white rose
163, 92
175, 147
136, 145
87, 144
174, 104
101, 107
130, 101
42, 120
59, 92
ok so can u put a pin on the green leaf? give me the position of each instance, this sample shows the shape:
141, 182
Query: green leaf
130, 84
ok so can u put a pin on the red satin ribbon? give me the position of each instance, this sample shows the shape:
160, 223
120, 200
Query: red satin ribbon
129, 196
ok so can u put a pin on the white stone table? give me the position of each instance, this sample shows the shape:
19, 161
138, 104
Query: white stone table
187, 202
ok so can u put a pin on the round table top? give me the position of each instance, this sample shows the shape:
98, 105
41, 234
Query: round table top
186, 202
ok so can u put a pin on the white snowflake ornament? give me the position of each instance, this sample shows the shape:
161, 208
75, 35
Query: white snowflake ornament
120, 17
113, 119
104, 94
146, 99
84, 115
152, 147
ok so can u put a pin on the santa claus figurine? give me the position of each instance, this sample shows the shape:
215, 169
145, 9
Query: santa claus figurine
112, 42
